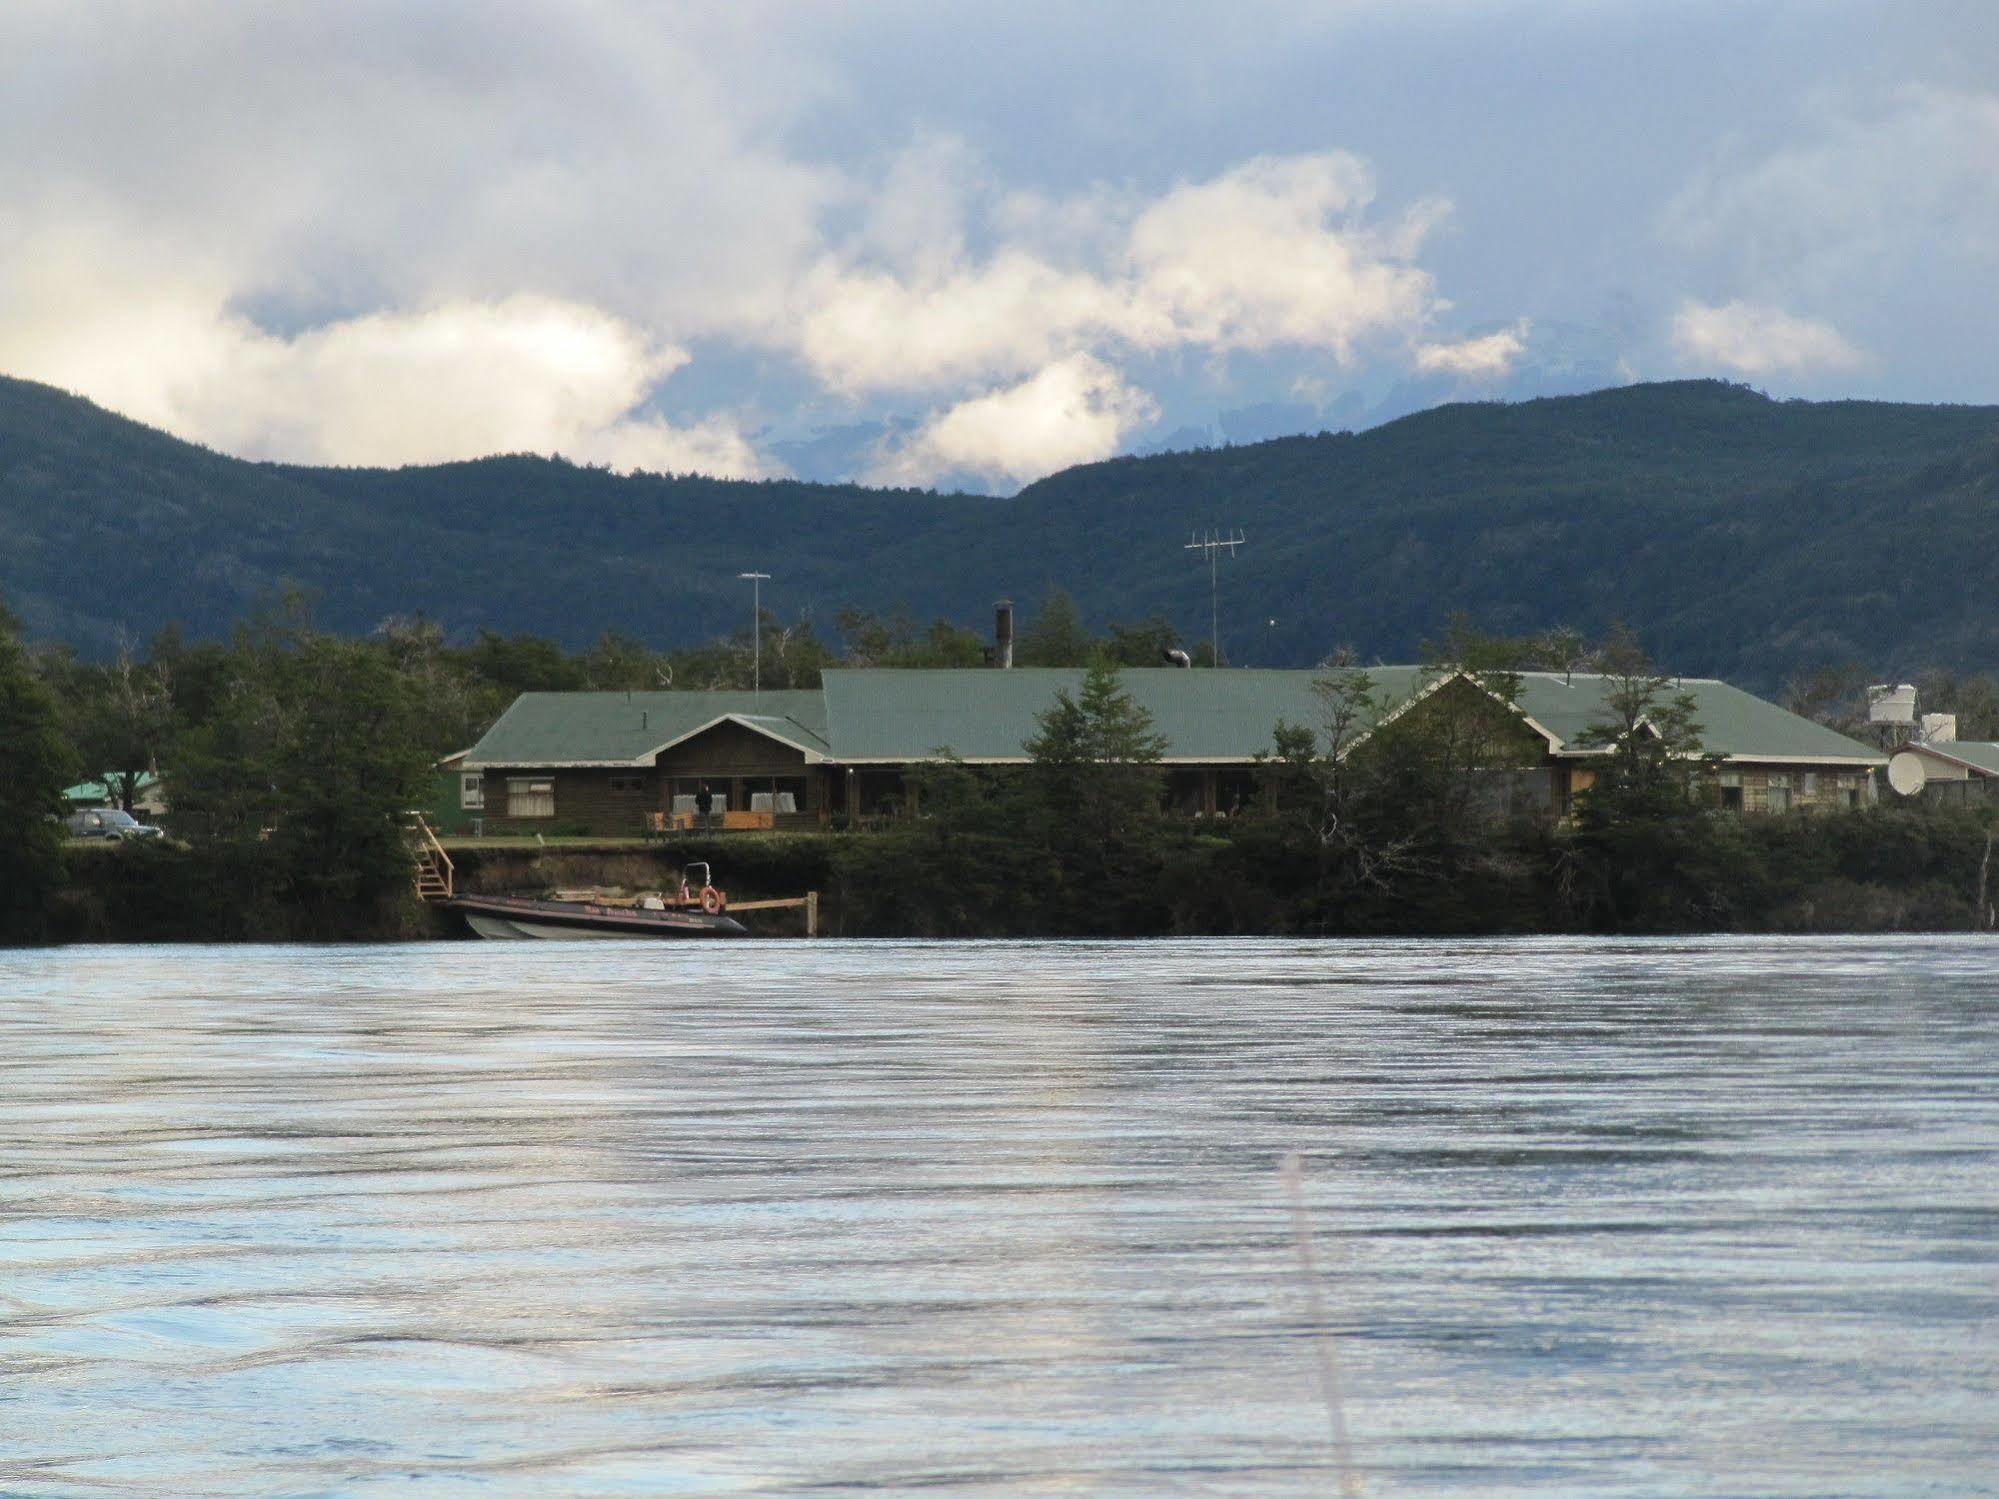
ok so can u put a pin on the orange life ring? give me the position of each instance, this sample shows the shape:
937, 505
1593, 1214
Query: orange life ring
712, 900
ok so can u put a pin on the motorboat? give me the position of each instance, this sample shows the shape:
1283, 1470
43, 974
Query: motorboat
698, 909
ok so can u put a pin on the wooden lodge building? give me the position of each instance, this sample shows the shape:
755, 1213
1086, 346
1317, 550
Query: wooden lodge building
617, 763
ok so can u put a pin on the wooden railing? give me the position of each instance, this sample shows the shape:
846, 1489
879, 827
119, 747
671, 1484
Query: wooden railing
436, 877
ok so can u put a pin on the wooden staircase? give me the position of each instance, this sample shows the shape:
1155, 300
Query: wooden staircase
434, 874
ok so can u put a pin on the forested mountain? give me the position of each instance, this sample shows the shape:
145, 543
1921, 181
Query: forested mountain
1739, 535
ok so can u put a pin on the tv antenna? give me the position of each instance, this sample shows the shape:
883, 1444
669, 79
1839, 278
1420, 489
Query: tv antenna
756, 582
1214, 543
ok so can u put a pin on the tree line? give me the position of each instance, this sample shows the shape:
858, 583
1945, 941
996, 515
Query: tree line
291, 755
1361, 826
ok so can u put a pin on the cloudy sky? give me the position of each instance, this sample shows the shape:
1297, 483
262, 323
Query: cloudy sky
941, 243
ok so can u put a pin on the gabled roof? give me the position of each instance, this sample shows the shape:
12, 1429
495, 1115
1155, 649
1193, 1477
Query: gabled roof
1975, 754
893, 716
547, 730
787, 731
1736, 725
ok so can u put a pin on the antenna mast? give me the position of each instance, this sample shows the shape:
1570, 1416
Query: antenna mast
1214, 543
756, 582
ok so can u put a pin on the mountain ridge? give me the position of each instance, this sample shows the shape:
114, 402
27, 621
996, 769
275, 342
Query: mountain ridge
1742, 536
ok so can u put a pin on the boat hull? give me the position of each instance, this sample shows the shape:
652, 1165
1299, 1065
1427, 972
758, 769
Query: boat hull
510, 918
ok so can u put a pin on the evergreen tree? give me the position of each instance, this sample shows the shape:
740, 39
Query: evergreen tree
1092, 796
1650, 853
121, 723
1655, 761
1055, 636
1143, 644
877, 640
35, 765
309, 768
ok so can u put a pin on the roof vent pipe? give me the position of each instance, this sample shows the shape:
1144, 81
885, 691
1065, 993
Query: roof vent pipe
1003, 633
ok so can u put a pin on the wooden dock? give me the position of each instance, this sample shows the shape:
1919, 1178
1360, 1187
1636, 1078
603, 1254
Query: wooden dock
808, 902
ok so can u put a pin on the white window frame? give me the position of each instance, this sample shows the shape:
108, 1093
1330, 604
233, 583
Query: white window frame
471, 791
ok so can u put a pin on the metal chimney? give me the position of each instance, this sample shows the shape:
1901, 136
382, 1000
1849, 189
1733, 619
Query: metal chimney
1003, 633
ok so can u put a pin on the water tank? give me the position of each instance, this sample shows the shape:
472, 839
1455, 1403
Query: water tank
1939, 728
1906, 773
1886, 704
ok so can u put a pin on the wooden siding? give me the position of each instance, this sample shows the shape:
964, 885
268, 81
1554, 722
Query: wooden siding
584, 802
1800, 788
729, 757
1749, 788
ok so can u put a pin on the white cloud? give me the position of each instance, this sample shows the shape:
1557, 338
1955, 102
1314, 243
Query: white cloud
1868, 193
1268, 254
1485, 358
369, 235
458, 380
1076, 410
381, 234
866, 330
1882, 214
1756, 340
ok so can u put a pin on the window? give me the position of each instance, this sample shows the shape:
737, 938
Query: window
530, 796
1811, 783
778, 794
1778, 798
1731, 798
471, 791
628, 785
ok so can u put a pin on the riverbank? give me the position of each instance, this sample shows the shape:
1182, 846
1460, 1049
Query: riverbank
175, 893
1903, 868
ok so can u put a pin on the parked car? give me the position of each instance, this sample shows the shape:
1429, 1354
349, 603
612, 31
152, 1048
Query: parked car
109, 822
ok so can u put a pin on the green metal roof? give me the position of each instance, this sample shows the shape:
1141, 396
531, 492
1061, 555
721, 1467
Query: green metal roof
891, 716
1978, 754
547, 729
1733, 723
99, 791
1207, 717
1212, 717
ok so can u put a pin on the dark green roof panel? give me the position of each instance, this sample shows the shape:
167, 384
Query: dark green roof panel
886, 716
1205, 716
628, 728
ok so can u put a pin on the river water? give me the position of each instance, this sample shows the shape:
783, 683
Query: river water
1711, 1217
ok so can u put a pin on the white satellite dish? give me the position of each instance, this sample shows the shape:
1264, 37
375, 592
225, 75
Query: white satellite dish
1906, 773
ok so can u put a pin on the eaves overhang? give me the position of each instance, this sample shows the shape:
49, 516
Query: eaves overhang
642, 764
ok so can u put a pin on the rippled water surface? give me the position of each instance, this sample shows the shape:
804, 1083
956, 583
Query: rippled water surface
1674, 1218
